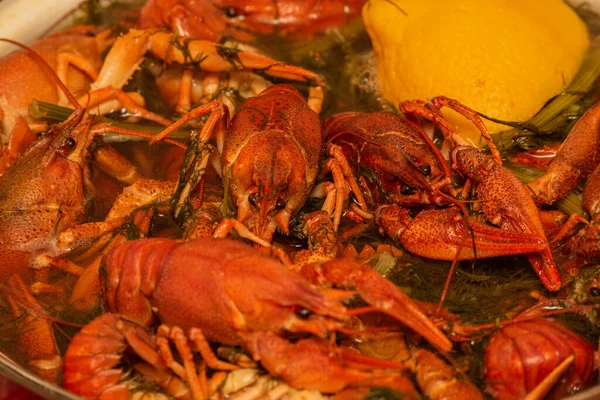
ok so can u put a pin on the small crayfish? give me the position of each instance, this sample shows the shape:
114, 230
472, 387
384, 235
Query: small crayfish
270, 154
406, 168
244, 20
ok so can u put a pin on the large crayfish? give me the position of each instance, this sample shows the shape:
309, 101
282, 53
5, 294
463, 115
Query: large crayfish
225, 291
279, 293
43, 194
47, 188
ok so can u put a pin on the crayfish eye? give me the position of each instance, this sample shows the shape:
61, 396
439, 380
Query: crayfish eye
304, 313
280, 204
67, 146
231, 12
595, 292
252, 200
425, 169
405, 190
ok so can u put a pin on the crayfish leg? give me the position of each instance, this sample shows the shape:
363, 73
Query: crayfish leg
169, 382
188, 372
36, 343
229, 224
438, 380
442, 101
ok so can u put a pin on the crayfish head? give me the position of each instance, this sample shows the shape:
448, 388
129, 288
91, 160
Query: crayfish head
584, 288
264, 211
269, 183
68, 155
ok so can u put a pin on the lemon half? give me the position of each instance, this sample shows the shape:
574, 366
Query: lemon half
504, 58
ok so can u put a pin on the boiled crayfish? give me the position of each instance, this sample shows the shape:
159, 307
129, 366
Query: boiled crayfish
401, 164
196, 55
407, 168
42, 194
91, 365
505, 201
244, 20
270, 152
46, 190
157, 256
254, 300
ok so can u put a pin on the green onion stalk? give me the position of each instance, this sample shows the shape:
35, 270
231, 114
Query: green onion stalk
56, 114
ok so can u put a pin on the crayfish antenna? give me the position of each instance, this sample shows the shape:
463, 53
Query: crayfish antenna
47, 69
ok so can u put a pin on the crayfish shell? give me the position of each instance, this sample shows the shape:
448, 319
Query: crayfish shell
519, 356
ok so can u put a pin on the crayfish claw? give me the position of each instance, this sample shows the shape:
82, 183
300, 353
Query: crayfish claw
386, 297
461, 238
318, 365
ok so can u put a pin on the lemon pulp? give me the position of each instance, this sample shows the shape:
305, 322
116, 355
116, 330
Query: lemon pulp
504, 58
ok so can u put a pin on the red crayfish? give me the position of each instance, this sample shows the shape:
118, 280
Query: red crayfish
244, 20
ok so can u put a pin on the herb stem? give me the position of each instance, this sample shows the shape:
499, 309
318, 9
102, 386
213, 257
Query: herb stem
56, 114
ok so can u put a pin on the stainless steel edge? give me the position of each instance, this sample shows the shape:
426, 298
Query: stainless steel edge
25, 378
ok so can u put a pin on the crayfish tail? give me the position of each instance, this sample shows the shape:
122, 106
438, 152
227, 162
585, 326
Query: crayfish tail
91, 358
